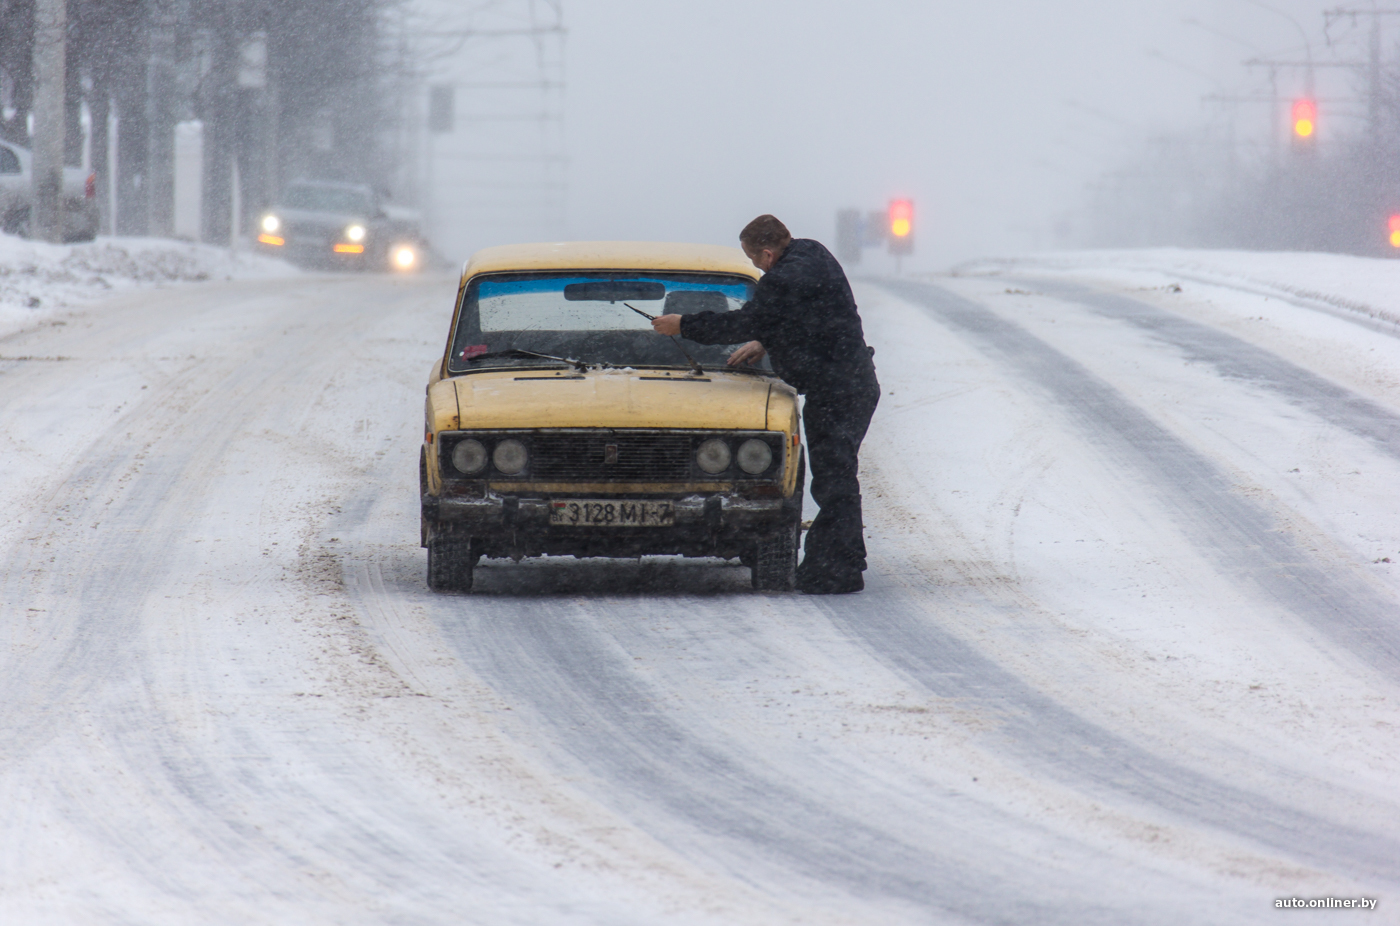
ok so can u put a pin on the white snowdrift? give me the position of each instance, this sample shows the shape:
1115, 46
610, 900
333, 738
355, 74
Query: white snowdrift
37, 278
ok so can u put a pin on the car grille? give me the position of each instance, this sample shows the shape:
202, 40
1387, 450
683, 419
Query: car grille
632, 457
308, 230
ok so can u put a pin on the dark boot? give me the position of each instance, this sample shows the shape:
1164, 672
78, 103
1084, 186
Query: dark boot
814, 582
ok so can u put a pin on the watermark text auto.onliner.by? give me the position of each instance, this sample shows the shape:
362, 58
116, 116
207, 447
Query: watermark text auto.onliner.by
1326, 903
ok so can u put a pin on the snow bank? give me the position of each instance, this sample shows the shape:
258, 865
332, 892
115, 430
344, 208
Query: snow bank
1366, 285
38, 278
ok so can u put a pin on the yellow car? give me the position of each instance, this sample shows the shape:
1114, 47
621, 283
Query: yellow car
559, 423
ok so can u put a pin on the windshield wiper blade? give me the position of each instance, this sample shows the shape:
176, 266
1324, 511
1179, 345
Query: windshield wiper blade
527, 354
696, 368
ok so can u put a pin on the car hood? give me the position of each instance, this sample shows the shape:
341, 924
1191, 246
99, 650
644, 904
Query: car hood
611, 399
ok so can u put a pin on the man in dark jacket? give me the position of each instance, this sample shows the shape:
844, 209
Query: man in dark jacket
803, 316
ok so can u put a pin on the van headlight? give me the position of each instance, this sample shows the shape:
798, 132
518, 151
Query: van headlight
713, 456
271, 223
469, 456
405, 257
755, 456
510, 457
355, 233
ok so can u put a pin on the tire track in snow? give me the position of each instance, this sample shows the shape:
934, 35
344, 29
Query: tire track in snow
558, 642
1053, 740
1045, 735
588, 699
133, 783
1238, 359
94, 584
557, 656
1242, 538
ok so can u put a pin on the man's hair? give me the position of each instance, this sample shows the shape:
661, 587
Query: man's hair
765, 232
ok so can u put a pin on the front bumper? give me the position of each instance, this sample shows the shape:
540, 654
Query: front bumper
712, 512
312, 251
720, 524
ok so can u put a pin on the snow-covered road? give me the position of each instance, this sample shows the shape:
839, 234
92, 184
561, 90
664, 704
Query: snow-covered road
1129, 650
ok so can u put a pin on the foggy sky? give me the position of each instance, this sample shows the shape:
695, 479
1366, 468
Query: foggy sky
684, 120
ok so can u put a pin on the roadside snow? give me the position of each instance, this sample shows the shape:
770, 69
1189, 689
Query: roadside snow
1365, 285
37, 278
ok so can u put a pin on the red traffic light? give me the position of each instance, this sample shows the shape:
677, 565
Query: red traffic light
901, 226
901, 218
1304, 118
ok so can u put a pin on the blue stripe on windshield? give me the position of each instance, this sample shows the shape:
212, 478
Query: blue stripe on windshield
491, 288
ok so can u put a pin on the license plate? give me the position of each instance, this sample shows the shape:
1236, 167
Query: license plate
617, 512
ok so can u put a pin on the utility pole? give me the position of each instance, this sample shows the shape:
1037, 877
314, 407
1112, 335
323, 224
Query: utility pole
1373, 108
160, 119
50, 52
1373, 66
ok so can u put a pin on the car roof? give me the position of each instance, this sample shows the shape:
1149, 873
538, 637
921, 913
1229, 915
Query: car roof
610, 255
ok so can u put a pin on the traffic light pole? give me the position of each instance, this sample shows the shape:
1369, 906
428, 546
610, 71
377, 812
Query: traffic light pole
1308, 67
893, 228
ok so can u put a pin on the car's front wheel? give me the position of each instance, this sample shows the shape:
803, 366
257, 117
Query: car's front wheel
773, 564
775, 560
450, 565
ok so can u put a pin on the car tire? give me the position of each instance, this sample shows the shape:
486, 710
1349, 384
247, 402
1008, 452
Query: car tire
450, 565
422, 496
775, 561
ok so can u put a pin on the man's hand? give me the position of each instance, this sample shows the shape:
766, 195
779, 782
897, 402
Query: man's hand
747, 354
667, 324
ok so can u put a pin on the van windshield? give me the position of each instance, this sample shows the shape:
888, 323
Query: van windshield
585, 316
328, 199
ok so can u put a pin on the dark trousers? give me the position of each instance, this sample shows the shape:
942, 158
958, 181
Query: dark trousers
836, 424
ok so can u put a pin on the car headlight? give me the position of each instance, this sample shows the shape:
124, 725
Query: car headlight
355, 233
271, 223
469, 456
755, 456
510, 457
713, 456
405, 257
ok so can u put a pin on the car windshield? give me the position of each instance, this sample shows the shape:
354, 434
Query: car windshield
585, 316
327, 199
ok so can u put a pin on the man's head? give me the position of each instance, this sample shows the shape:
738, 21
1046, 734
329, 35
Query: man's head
764, 240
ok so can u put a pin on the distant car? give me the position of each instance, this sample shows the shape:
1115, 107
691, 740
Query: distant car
327, 224
559, 423
80, 211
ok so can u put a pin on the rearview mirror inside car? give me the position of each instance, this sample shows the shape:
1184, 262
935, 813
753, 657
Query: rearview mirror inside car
614, 291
